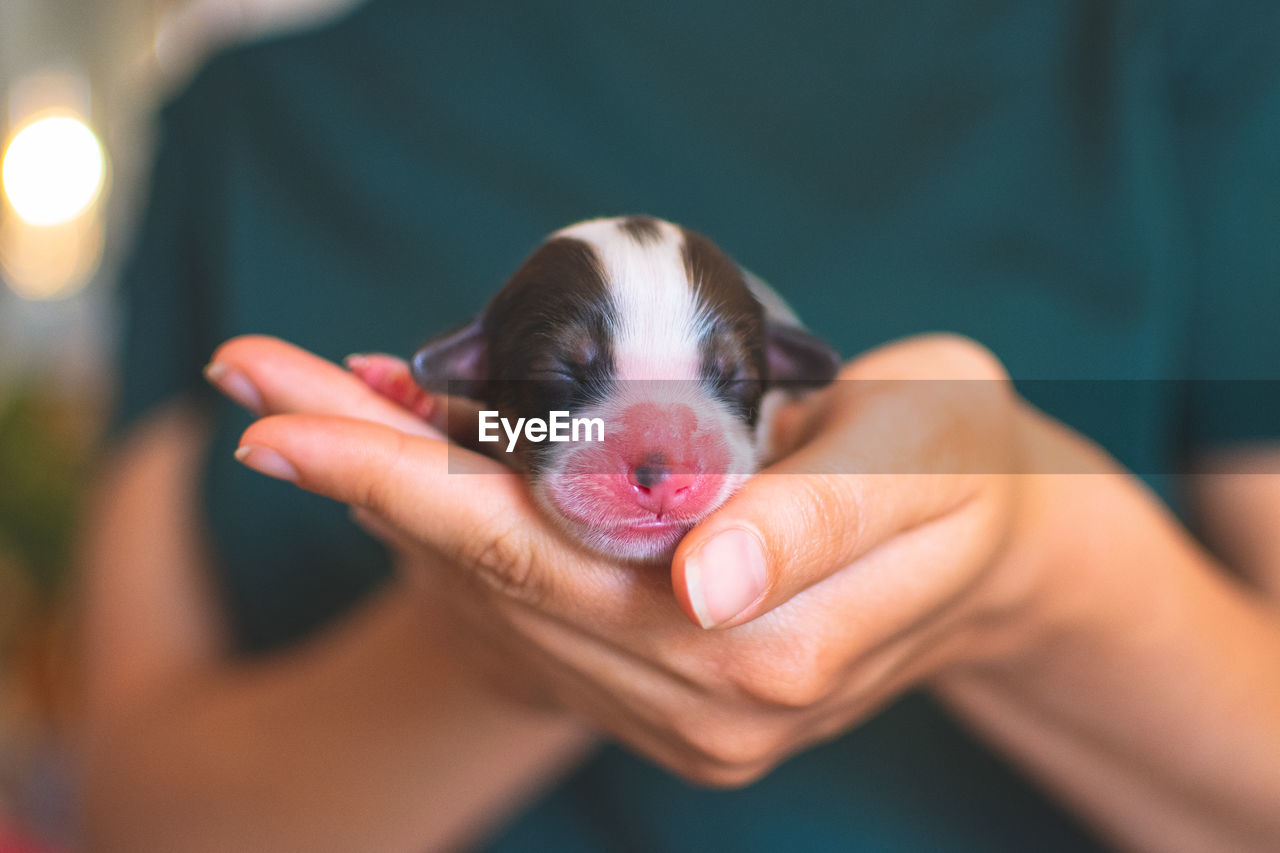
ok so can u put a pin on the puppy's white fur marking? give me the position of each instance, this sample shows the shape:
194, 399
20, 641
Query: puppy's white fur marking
659, 322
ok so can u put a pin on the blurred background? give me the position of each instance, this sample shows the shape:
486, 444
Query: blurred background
79, 80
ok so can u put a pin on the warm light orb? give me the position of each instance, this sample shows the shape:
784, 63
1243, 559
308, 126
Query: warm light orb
53, 170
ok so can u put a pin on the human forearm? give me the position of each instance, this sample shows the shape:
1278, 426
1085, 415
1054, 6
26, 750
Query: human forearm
371, 738
1146, 688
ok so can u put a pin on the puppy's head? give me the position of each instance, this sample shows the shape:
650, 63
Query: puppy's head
654, 331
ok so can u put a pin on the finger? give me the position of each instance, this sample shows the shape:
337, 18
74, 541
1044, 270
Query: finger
885, 456
464, 507
269, 376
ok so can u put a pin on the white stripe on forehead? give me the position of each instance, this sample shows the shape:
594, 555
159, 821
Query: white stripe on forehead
659, 321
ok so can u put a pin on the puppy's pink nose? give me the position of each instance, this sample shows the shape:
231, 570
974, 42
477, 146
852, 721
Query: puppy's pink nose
657, 488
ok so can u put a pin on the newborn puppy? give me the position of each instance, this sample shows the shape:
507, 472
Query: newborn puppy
651, 329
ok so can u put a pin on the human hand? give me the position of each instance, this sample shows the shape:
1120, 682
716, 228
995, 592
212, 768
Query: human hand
839, 589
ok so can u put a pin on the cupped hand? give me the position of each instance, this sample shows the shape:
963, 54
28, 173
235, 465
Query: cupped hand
893, 539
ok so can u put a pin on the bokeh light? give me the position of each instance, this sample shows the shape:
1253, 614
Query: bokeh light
53, 170
50, 261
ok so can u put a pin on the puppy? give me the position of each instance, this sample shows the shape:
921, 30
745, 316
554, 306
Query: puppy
644, 329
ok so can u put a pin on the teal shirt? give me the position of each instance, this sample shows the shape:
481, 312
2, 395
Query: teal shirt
1091, 189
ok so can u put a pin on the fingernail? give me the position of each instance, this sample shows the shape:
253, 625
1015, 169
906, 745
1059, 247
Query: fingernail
264, 460
235, 385
725, 576
355, 361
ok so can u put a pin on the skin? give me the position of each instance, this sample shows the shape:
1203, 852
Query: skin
1127, 669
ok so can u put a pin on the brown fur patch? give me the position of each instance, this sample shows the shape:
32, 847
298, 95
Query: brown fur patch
643, 229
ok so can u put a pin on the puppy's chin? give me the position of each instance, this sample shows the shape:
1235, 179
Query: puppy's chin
650, 542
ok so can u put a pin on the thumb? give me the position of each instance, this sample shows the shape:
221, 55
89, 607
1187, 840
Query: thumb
880, 454
775, 537
800, 521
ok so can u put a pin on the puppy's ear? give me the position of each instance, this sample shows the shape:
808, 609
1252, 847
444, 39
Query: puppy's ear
798, 358
455, 363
